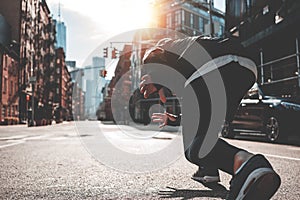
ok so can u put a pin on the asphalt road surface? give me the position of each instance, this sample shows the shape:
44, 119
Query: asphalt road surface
72, 161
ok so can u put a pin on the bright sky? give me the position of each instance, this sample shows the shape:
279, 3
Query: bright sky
91, 22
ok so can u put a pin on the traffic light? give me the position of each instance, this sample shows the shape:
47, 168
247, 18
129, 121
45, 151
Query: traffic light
114, 53
103, 73
105, 52
27, 97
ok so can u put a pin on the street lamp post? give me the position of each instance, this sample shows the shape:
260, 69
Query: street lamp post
298, 61
212, 28
32, 81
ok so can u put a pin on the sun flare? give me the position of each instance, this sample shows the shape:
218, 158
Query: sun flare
112, 15
128, 14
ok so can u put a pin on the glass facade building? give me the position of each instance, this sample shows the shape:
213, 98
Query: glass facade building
61, 35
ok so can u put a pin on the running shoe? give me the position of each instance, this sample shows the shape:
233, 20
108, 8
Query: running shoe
255, 180
203, 175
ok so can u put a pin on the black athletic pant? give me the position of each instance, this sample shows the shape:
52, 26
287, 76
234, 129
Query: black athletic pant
237, 81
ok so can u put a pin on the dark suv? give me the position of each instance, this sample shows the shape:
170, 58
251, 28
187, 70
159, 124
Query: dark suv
268, 116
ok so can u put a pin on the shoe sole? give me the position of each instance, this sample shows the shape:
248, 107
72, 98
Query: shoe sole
207, 179
261, 184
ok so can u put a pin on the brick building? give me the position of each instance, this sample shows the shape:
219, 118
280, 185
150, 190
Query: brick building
8, 76
64, 89
190, 17
30, 48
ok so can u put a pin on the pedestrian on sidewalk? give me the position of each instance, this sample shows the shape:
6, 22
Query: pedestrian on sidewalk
211, 75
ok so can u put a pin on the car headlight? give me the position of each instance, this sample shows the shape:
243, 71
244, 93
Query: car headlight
292, 106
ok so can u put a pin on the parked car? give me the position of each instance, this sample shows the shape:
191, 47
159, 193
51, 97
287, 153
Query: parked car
260, 115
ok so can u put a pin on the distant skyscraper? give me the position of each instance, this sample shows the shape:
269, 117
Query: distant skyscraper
93, 86
61, 30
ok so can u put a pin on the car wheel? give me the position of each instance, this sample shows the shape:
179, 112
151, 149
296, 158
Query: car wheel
227, 131
272, 129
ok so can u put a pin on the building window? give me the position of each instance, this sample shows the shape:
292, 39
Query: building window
221, 30
182, 17
5, 62
11, 88
206, 26
192, 20
169, 20
16, 87
3, 111
177, 18
5, 85
201, 24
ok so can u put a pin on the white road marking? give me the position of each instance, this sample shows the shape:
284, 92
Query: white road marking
19, 139
36, 137
282, 157
14, 137
11, 144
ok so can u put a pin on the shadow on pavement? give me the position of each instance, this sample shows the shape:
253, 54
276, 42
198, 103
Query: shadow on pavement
77, 135
108, 122
217, 191
215, 187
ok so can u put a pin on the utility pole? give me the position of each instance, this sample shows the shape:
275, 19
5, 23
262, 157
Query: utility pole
212, 28
298, 61
32, 81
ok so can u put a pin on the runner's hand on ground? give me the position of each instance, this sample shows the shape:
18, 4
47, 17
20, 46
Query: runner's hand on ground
163, 118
